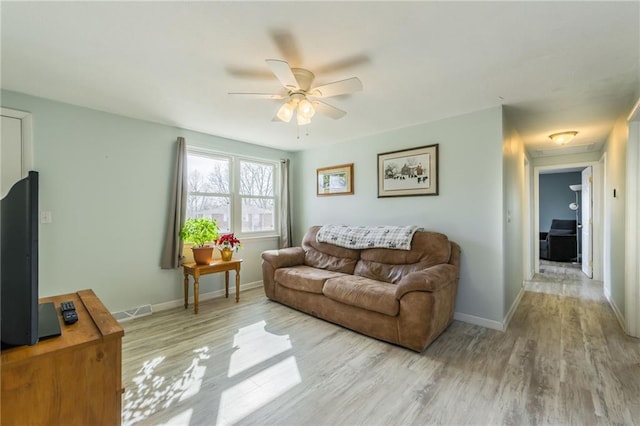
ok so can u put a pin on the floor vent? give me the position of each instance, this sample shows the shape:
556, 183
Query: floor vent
140, 311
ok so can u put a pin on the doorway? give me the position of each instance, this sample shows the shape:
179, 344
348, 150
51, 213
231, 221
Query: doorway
584, 207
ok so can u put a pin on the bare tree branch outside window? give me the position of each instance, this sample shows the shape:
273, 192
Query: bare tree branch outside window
209, 180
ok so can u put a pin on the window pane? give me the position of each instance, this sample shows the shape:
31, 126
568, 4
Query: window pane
256, 179
257, 214
208, 174
217, 208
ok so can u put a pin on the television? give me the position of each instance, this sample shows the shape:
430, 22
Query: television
23, 320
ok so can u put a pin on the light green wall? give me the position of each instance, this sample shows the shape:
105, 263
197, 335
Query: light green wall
513, 155
582, 158
614, 214
106, 179
468, 209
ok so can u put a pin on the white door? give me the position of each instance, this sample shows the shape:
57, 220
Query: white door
16, 148
10, 154
587, 222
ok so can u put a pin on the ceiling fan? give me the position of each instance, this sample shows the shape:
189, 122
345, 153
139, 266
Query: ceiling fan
301, 98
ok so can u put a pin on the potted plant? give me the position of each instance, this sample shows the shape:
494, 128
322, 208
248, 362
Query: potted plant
200, 231
227, 244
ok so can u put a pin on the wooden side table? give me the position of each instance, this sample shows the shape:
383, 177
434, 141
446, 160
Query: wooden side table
212, 268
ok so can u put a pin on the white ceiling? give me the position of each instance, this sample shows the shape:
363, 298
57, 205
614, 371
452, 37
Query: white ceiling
554, 65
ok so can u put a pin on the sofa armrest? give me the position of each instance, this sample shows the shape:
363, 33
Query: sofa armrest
430, 280
290, 256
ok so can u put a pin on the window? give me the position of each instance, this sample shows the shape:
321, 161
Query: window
239, 193
209, 189
257, 196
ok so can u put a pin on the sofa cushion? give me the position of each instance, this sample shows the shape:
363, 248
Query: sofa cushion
567, 224
364, 293
304, 278
562, 232
427, 249
328, 256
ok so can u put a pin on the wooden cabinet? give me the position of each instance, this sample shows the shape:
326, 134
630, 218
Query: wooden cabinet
73, 379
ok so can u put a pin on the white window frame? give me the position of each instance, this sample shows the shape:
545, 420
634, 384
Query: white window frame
235, 208
240, 197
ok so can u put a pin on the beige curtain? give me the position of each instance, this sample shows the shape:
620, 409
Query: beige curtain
285, 206
172, 251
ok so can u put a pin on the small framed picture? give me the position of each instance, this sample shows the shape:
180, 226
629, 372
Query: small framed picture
335, 180
408, 172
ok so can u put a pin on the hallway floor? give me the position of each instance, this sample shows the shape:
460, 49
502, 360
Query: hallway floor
564, 279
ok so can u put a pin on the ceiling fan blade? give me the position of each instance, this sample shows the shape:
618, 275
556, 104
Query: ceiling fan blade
342, 87
283, 73
344, 63
261, 95
242, 72
287, 45
328, 110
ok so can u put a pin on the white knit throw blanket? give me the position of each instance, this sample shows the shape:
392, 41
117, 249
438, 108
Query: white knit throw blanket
363, 237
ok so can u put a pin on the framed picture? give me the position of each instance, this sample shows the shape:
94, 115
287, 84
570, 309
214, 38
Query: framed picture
408, 172
335, 180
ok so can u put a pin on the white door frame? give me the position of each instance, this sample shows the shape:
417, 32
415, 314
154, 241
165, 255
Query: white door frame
598, 174
632, 226
26, 120
18, 147
586, 219
528, 248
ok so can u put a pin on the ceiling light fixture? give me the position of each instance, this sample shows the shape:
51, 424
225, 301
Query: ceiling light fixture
563, 138
305, 109
300, 105
302, 120
302, 99
286, 111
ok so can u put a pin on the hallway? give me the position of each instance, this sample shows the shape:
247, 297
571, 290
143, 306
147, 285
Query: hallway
565, 279
589, 360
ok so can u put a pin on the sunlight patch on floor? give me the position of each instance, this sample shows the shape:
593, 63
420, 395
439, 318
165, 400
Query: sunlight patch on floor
152, 392
255, 345
249, 395
181, 419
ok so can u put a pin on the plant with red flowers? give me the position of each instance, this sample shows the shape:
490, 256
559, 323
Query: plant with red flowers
228, 241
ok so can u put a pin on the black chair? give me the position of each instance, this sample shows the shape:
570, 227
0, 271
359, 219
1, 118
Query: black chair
560, 244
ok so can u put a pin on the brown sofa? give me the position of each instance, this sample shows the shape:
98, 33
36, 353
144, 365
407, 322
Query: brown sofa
404, 297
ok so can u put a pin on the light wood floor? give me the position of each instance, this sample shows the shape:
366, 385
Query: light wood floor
563, 360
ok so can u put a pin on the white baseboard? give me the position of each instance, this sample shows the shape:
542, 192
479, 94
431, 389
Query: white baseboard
512, 310
483, 322
129, 314
616, 311
487, 323
149, 309
204, 296
471, 319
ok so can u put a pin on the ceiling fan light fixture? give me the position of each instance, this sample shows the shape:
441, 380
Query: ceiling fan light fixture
285, 113
302, 120
300, 94
305, 109
563, 138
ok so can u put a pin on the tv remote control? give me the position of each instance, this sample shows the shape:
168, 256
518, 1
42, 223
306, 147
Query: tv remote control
67, 306
69, 314
69, 317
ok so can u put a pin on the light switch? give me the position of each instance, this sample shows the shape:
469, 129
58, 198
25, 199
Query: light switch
45, 217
